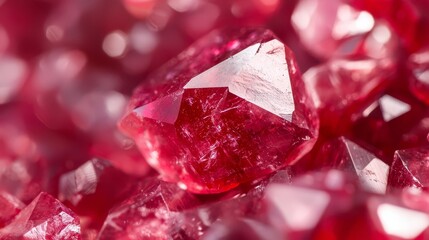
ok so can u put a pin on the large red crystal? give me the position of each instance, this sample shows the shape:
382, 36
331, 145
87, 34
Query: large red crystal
44, 218
232, 108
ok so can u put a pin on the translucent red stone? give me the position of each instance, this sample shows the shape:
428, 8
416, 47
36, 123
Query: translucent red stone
234, 109
396, 120
341, 88
339, 29
151, 213
44, 218
410, 168
347, 156
93, 189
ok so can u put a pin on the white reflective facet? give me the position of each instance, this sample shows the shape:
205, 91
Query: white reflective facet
392, 108
254, 75
300, 208
402, 222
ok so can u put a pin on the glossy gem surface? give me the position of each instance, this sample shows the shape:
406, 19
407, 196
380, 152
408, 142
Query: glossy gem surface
232, 113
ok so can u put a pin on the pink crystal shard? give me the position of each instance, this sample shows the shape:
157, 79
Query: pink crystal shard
93, 188
342, 87
410, 168
44, 218
10, 207
230, 109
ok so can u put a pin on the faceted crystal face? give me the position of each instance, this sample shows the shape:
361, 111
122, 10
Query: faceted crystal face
342, 87
396, 120
410, 168
93, 189
347, 156
230, 111
44, 218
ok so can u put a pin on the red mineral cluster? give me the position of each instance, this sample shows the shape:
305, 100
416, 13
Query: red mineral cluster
206, 119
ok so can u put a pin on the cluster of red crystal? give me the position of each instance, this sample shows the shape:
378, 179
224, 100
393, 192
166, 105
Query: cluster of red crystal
339, 153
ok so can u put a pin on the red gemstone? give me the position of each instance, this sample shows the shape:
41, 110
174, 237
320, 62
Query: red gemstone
149, 214
347, 156
234, 109
10, 207
396, 120
338, 29
410, 168
44, 218
242, 202
343, 87
92, 189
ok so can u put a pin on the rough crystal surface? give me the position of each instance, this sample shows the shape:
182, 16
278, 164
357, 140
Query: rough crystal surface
44, 218
232, 109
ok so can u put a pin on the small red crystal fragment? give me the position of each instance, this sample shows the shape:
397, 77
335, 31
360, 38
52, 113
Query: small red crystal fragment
10, 207
149, 214
342, 87
396, 120
44, 218
347, 156
230, 109
410, 168
93, 188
